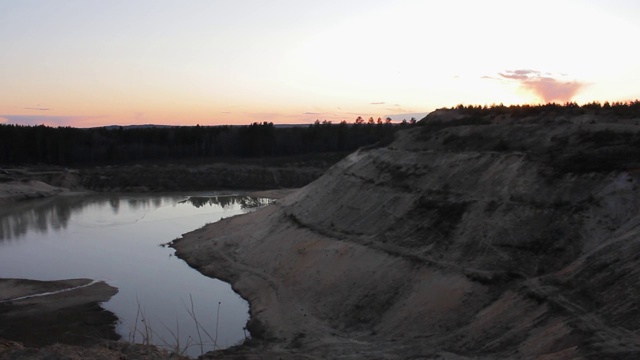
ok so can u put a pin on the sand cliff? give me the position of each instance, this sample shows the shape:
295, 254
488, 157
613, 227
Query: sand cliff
498, 237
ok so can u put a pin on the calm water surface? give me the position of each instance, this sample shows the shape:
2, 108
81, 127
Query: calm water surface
118, 239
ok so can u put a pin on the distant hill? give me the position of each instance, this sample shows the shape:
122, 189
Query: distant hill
144, 126
147, 126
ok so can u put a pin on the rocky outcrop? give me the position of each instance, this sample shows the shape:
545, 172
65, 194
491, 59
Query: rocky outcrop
494, 237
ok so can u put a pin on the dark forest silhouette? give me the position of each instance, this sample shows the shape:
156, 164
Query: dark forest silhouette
67, 146
622, 110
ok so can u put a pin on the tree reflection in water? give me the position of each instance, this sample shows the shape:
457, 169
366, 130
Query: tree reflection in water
226, 202
54, 214
40, 216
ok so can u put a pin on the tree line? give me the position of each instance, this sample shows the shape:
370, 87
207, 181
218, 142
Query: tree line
619, 109
68, 146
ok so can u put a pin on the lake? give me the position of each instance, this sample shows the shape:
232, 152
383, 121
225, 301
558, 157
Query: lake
119, 239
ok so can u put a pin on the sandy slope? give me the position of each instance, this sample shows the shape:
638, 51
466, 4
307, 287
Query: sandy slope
490, 241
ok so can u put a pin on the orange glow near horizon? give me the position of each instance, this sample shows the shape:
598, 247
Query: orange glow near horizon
87, 64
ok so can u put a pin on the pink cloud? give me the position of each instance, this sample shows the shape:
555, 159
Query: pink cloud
545, 86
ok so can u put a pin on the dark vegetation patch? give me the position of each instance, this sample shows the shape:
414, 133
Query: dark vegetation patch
477, 114
491, 206
205, 177
66, 146
586, 148
398, 175
600, 161
433, 218
297, 341
555, 243
443, 215
294, 219
369, 309
471, 119
493, 277
476, 141
595, 151
258, 329
564, 205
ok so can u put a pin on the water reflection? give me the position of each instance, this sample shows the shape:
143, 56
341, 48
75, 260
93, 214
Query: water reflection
116, 239
115, 204
53, 215
227, 202
41, 217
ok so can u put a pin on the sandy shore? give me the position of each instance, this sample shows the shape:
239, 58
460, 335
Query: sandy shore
14, 191
288, 321
39, 313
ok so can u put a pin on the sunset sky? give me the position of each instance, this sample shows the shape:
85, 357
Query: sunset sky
90, 63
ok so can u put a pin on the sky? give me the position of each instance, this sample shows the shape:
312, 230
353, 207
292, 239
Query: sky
86, 63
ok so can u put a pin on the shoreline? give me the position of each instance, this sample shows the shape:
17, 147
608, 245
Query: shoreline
41, 313
277, 324
17, 191
37, 314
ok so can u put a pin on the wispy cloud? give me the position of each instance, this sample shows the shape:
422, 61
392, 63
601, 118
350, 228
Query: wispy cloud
546, 86
520, 74
378, 103
37, 108
312, 113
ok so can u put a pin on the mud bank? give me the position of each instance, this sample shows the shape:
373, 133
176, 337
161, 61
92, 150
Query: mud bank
40, 313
